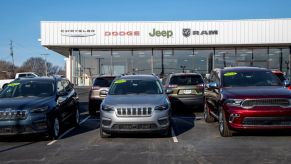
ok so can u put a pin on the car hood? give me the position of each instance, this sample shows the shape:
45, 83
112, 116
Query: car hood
256, 92
24, 103
121, 100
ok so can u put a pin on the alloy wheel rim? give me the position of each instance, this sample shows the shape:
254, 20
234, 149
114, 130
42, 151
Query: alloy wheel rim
56, 127
77, 116
221, 126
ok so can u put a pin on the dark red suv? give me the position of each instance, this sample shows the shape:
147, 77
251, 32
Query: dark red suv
247, 98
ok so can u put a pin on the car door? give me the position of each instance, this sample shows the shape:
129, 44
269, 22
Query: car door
213, 94
71, 98
62, 100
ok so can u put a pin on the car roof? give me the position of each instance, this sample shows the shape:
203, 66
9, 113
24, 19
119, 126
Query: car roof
178, 74
243, 69
39, 79
139, 77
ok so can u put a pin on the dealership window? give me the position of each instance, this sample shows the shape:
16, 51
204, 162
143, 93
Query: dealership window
244, 56
260, 57
122, 62
102, 58
203, 60
184, 60
157, 62
224, 58
142, 61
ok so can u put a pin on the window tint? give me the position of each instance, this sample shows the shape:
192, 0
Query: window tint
281, 77
22, 75
103, 81
250, 78
28, 89
186, 80
123, 87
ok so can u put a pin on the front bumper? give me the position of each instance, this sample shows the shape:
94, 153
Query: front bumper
258, 118
159, 121
33, 124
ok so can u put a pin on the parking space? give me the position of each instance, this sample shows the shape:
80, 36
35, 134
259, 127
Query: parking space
192, 141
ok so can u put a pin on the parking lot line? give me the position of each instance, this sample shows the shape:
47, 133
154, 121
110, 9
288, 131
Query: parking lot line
68, 131
175, 139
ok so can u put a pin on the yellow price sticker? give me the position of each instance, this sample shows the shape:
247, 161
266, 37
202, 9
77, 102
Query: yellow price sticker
13, 84
119, 81
230, 74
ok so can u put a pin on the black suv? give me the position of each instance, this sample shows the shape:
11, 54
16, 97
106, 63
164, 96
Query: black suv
185, 88
38, 105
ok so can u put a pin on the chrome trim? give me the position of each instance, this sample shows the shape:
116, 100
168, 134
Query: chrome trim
266, 100
133, 111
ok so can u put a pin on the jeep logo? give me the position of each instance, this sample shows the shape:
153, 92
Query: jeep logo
163, 33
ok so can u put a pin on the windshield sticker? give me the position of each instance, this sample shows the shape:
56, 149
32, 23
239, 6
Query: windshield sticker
13, 84
230, 74
119, 81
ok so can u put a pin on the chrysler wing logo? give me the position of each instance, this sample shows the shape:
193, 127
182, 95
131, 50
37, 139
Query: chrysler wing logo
186, 32
78, 33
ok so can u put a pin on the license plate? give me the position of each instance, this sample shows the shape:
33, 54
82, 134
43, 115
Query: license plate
187, 91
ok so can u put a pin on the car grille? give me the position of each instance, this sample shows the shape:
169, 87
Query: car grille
270, 121
134, 126
266, 102
13, 114
134, 112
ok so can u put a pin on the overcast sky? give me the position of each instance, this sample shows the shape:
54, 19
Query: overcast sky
20, 19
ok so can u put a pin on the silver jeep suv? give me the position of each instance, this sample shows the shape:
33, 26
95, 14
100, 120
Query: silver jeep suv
135, 103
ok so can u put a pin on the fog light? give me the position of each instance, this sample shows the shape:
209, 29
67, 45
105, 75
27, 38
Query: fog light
163, 121
106, 122
233, 116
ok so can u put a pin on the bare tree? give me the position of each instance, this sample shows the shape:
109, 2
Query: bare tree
6, 70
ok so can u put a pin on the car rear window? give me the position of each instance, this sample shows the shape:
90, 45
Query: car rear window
280, 76
186, 80
103, 81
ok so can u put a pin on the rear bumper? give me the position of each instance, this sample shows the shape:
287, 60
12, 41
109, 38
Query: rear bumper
190, 100
258, 118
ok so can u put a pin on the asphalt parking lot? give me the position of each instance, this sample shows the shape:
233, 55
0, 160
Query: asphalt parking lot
192, 141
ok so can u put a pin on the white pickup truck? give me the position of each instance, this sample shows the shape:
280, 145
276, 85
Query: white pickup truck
4, 82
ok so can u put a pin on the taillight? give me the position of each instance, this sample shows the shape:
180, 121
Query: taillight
95, 87
172, 86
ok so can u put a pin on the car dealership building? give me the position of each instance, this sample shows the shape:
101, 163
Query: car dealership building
162, 47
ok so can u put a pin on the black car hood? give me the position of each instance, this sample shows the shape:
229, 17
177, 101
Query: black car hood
23, 103
256, 92
135, 99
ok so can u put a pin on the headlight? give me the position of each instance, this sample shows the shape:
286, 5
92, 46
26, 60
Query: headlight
162, 107
234, 102
107, 108
39, 110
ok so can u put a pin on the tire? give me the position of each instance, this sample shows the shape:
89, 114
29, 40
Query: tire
76, 117
207, 117
55, 128
223, 127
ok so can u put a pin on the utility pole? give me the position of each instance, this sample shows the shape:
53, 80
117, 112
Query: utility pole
12, 56
45, 62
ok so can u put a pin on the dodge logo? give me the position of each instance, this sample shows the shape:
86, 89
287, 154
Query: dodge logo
186, 32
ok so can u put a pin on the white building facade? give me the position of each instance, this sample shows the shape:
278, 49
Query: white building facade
113, 48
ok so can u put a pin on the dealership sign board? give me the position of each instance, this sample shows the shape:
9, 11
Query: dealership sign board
178, 33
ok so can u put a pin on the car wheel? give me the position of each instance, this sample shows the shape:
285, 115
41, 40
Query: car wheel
76, 118
207, 117
55, 128
223, 127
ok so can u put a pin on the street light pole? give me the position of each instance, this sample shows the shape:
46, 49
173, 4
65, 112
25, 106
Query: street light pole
45, 62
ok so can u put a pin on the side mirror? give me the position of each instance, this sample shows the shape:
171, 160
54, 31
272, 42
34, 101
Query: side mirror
213, 85
169, 91
103, 93
286, 83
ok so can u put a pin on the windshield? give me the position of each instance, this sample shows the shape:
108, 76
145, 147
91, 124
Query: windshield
28, 89
250, 78
123, 87
186, 80
103, 81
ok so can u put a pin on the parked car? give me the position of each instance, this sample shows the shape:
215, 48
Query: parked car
185, 89
247, 98
135, 103
38, 105
281, 76
100, 84
4, 82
